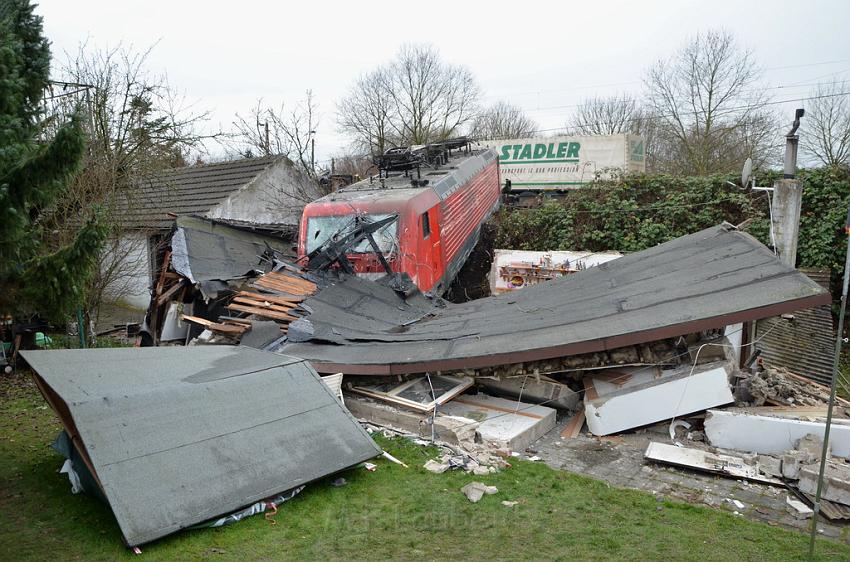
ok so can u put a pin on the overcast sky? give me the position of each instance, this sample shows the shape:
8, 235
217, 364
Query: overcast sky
543, 56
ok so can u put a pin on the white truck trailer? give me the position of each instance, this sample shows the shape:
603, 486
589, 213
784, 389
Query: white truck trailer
565, 162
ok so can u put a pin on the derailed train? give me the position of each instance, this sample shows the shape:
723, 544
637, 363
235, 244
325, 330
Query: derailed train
441, 194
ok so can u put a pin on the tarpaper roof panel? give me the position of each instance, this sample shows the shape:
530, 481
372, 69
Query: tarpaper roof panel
203, 250
709, 279
179, 435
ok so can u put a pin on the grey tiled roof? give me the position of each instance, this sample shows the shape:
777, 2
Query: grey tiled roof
192, 190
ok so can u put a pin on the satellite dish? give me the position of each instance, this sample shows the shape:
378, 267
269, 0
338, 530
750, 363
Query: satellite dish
747, 172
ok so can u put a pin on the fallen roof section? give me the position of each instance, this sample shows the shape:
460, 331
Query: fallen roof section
203, 250
710, 279
178, 435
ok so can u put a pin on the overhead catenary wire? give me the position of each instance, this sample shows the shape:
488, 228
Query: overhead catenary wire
630, 82
570, 129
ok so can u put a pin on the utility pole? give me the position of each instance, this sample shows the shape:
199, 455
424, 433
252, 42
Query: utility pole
788, 198
313, 152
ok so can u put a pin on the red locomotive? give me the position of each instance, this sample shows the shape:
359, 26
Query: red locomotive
441, 194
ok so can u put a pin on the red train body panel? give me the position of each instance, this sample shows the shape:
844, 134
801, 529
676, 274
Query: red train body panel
438, 223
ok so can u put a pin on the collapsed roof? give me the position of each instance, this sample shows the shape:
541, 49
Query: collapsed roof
205, 252
710, 279
177, 435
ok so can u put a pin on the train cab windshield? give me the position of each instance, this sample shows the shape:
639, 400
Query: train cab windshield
322, 229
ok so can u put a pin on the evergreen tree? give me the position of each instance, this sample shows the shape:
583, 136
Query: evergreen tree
38, 273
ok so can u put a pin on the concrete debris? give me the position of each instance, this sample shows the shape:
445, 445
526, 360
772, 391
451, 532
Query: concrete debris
501, 422
792, 461
769, 435
836, 481
435, 467
716, 463
474, 491
778, 386
508, 503
648, 396
798, 508
812, 446
770, 466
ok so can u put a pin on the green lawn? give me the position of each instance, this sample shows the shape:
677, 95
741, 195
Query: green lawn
394, 513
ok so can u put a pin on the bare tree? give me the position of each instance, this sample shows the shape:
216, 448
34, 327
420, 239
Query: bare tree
607, 116
827, 125
708, 110
502, 121
356, 165
270, 131
138, 125
415, 99
368, 111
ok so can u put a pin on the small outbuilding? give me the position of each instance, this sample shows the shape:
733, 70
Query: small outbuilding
263, 195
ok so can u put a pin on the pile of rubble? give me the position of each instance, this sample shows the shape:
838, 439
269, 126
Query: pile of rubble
647, 338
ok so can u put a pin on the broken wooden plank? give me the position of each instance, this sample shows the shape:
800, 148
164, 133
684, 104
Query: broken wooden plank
166, 296
574, 425
166, 260
234, 329
196, 320
291, 279
262, 304
261, 312
283, 301
229, 329
286, 283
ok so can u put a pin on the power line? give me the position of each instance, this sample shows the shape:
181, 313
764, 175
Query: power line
815, 82
584, 87
668, 115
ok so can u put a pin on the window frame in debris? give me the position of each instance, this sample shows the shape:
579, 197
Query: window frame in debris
393, 395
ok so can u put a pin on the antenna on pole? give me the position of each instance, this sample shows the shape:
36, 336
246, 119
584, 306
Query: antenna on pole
748, 183
747, 173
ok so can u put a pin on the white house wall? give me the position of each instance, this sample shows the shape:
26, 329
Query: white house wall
276, 196
132, 280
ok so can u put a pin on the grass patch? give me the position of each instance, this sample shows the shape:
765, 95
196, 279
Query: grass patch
394, 513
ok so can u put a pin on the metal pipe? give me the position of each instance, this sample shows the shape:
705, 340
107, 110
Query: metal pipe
839, 339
